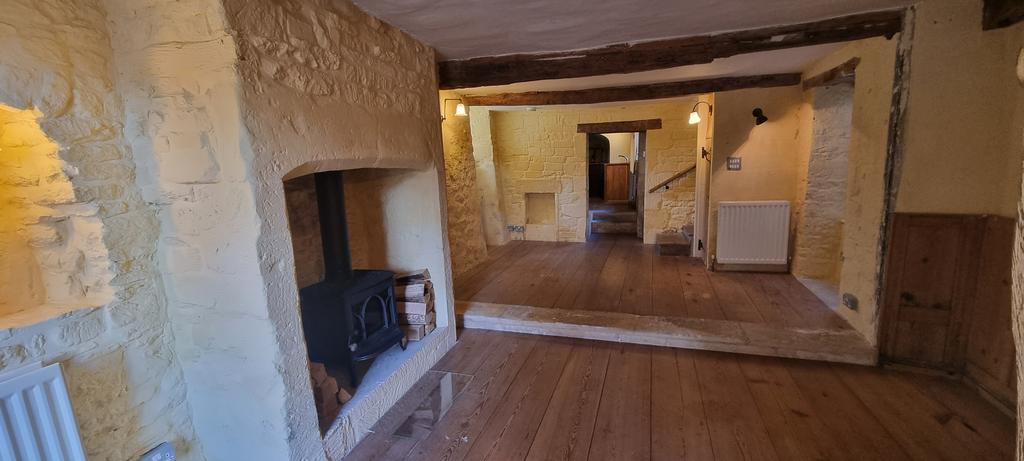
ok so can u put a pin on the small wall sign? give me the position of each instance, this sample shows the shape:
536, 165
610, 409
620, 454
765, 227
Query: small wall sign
734, 163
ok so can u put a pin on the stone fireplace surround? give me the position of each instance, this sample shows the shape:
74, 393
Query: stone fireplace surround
182, 119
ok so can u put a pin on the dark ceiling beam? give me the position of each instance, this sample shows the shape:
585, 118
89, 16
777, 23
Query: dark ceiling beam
844, 72
620, 127
661, 54
1001, 13
633, 92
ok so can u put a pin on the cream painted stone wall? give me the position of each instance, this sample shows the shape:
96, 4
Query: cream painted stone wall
865, 188
488, 180
540, 151
122, 370
52, 255
821, 204
956, 158
769, 152
465, 230
326, 87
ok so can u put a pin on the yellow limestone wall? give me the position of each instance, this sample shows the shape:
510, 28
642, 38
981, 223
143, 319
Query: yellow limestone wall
956, 156
540, 151
465, 230
865, 188
119, 358
768, 151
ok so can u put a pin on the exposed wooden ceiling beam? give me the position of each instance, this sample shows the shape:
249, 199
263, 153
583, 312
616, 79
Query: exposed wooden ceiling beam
661, 54
633, 92
841, 73
1002, 13
620, 127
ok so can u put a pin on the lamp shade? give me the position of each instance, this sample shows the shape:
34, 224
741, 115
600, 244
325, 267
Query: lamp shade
460, 109
694, 118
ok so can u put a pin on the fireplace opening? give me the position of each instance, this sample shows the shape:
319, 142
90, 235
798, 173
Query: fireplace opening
348, 315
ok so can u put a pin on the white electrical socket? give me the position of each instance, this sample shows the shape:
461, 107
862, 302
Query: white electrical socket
162, 452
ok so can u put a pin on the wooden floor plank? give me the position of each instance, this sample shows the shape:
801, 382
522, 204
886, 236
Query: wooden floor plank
698, 296
584, 277
736, 428
733, 299
514, 423
607, 289
468, 287
667, 298
553, 279
925, 428
623, 426
696, 435
787, 416
854, 428
567, 427
503, 286
468, 416
559, 399
637, 291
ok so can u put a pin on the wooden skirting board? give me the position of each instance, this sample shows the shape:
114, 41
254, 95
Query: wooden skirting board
831, 345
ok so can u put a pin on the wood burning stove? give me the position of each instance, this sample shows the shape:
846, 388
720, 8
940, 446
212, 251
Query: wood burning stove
349, 317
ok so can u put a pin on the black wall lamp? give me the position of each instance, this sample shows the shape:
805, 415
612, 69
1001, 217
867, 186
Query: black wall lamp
759, 116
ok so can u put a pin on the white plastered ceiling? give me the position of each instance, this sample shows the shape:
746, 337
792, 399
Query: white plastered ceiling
461, 29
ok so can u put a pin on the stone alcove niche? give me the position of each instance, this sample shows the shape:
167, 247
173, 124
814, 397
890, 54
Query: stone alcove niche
52, 256
389, 227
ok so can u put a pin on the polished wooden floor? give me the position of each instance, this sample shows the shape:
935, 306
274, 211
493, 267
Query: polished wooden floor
621, 274
505, 396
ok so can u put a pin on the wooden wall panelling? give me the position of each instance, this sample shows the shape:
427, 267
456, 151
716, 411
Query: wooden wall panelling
990, 348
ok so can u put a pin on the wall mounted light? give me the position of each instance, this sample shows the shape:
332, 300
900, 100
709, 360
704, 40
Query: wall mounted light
460, 108
759, 116
694, 116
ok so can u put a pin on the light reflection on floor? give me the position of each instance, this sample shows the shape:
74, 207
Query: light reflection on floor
434, 406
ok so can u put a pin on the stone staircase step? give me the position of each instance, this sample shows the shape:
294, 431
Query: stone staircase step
611, 227
673, 243
613, 216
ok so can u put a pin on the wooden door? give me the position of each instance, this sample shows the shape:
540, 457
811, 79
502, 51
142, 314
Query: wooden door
930, 276
616, 181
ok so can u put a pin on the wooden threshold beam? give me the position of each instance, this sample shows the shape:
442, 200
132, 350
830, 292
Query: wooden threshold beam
633, 92
628, 126
626, 58
842, 73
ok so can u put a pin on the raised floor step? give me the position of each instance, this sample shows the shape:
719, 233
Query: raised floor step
673, 243
614, 216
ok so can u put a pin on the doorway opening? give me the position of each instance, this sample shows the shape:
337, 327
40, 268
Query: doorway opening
614, 171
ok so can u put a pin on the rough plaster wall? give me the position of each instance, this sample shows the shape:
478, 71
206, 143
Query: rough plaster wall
52, 255
465, 230
1016, 139
488, 184
769, 151
123, 375
819, 226
956, 159
537, 148
865, 187
326, 87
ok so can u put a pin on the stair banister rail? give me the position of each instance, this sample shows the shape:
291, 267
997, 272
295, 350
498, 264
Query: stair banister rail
674, 177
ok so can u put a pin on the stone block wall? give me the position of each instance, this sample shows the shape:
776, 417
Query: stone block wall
121, 367
465, 230
535, 149
821, 209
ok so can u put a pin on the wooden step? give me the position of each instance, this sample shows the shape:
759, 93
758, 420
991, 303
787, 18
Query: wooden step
673, 243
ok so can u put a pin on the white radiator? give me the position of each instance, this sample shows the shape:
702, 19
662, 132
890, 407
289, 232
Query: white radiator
36, 422
753, 232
